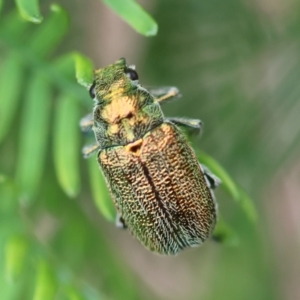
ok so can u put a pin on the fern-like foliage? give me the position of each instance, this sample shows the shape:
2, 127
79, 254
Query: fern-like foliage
43, 232
44, 89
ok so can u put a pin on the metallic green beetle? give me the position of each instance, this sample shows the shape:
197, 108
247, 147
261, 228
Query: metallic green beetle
161, 192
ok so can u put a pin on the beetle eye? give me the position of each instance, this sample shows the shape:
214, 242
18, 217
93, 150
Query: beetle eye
132, 74
92, 90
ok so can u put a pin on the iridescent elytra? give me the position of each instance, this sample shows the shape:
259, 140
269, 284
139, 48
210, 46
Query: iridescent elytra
161, 192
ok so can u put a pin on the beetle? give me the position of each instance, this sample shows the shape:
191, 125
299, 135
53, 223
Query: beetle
162, 194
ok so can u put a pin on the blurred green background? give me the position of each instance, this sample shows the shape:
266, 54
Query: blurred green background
237, 64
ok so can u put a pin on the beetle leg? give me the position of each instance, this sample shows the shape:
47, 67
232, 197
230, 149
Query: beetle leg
212, 180
194, 125
120, 222
164, 94
86, 123
90, 149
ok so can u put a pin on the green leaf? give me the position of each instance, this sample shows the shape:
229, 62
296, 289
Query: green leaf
64, 64
15, 254
8, 196
72, 294
13, 27
247, 205
66, 144
229, 185
11, 76
29, 10
50, 33
1, 3
33, 136
132, 13
223, 233
84, 69
46, 285
100, 192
